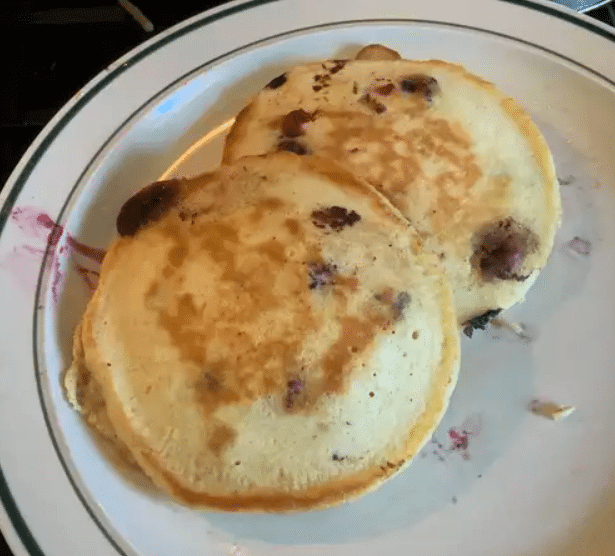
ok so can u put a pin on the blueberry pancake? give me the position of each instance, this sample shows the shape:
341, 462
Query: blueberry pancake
267, 337
461, 161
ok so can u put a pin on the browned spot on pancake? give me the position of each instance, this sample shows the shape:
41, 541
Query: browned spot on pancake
355, 88
220, 438
293, 122
177, 255
265, 206
148, 205
292, 146
152, 290
347, 282
243, 343
400, 176
274, 250
184, 215
316, 88
501, 248
356, 336
292, 225
372, 103
190, 341
208, 382
218, 240
447, 133
385, 90
385, 296
334, 217
424, 85
277, 82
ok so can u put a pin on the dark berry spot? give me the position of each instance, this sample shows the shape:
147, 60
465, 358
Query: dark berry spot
423, 85
320, 275
334, 217
415, 335
148, 205
385, 90
292, 146
237, 462
501, 249
480, 322
277, 82
371, 394
336, 457
400, 303
397, 303
293, 122
337, 66
294, 387
372, 103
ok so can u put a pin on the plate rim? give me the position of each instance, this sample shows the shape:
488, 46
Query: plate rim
10, 517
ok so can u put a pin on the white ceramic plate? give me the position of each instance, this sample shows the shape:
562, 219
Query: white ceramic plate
518, 485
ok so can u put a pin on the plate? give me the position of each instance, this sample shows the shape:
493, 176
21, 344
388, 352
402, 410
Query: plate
495, 479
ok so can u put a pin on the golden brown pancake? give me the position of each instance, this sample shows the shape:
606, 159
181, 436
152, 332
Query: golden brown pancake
462, 161
267, 337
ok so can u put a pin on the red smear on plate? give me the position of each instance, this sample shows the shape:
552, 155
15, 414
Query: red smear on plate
459, 438
580, 246
38, 225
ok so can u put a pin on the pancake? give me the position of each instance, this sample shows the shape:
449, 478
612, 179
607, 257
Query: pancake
462, 161
268, 337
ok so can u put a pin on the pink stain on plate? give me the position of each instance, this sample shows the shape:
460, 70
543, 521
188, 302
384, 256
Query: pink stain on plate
39, 227
579, 246
459, 438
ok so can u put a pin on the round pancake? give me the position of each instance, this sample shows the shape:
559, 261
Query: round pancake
459, 159
269, 337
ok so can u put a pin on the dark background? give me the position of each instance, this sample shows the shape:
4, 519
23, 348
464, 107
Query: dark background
43, 65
